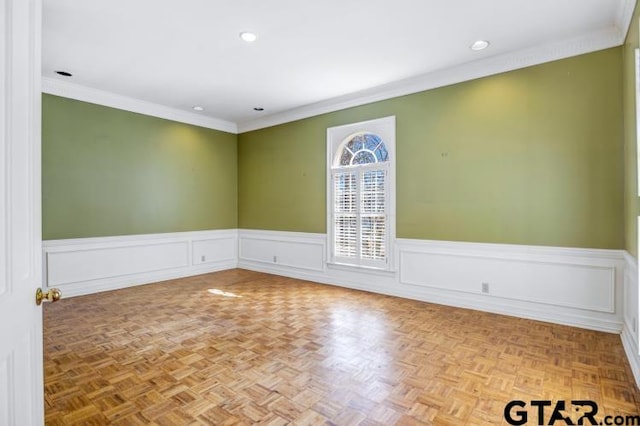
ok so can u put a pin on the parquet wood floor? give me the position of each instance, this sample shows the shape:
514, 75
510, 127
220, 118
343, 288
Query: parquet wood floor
293, 352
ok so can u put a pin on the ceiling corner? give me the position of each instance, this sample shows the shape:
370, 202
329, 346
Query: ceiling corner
623, 18
53, 86
599, 40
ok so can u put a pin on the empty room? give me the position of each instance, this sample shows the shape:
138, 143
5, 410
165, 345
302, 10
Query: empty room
319, 213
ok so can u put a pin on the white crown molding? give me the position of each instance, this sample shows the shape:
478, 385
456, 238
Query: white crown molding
100, 97
604, 39
623, 17
592, 42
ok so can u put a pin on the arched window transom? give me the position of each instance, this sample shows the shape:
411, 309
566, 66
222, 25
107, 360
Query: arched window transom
364, 148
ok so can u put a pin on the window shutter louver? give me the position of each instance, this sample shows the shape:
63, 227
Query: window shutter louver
345, 214
373, 215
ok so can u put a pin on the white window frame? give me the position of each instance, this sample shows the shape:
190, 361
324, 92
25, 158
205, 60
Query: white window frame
337, 136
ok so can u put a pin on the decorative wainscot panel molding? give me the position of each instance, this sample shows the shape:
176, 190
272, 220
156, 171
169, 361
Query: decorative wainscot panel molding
630, 308
283, 251
581, 287
88, 265
595, 289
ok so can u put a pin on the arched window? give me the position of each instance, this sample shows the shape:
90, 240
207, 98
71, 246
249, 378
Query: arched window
360, 195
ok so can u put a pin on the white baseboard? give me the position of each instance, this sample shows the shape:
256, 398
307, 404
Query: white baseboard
578, 287
90, 265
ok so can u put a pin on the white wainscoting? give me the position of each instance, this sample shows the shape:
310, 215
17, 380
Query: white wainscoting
89, 265
630, 330
594, 289
284, 249
580, 287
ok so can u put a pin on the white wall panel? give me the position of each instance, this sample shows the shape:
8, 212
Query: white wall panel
88, 265
630, 331
553, 283
287, 249
74, 266
215, 250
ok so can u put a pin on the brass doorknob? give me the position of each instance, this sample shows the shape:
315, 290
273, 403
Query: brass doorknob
53, 295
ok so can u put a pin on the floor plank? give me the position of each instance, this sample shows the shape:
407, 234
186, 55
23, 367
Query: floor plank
241, 347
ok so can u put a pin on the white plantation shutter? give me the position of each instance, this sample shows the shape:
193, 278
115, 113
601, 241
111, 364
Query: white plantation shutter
345, 236
360, 231
373, 230
345, 214
372, 237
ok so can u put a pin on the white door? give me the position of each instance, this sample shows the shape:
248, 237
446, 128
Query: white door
21, 378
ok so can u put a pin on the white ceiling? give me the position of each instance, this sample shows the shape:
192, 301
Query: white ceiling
310, 56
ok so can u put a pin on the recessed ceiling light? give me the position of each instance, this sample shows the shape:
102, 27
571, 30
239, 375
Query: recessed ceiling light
479, 45
248, 36
64, 73
258, 109
198, 108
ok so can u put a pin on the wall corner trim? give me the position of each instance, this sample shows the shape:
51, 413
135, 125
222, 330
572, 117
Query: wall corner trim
629, 335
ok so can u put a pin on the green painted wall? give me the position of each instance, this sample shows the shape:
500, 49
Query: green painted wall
112, 172
631, 202
534, 156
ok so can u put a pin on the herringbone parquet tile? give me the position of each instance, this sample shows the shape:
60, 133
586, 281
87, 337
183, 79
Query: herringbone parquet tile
292, 352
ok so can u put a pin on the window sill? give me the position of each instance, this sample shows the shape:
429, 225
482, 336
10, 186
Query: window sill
362, 269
